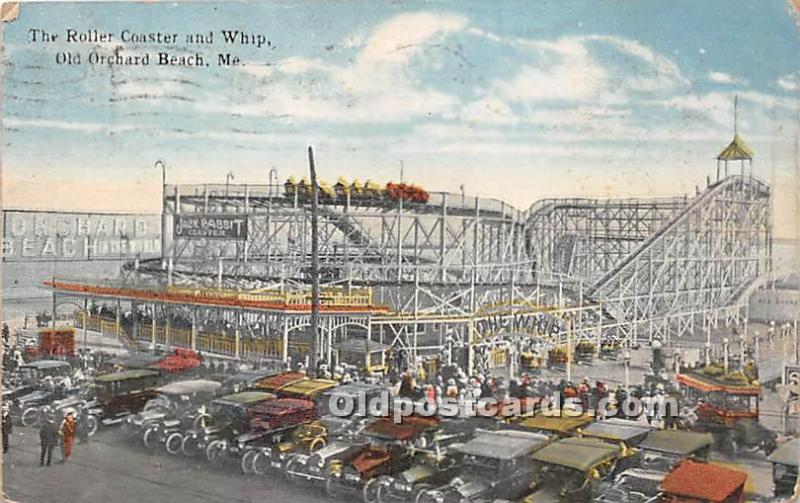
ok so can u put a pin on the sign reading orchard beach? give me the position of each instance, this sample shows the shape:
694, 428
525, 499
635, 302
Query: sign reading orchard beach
210, 227
41, 235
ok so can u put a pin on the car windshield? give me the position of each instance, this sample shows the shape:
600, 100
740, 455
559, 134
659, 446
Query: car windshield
28, 375
481, 466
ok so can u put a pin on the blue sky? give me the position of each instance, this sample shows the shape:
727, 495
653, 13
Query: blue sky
519, 100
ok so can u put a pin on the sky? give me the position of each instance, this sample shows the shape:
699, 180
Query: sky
517, 100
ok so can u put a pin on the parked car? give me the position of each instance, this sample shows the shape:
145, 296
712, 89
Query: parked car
119, 394
785, 465
39, 384
313, 436
497, 465
663, 449
227, 415
171, 402
633, 485
570, 469
272, 421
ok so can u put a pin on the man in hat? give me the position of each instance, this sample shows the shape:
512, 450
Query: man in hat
48, 436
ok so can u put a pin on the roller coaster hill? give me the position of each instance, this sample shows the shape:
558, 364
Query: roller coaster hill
436, 273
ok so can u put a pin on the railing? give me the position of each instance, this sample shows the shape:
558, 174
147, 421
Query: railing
206, 342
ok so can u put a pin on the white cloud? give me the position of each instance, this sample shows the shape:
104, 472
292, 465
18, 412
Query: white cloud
724, 78
86, 127
790, 82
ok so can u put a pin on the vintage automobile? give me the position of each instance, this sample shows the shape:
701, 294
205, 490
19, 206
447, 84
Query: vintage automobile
119, 394
227, 416
629, 435
314, 467
691, 481
308, 389
584, 351
633, 485
433, 467
363, 354
728, 408
35, 375
570, 469
332, 409
785, 466
168, 407
497, 465
271, 422
663, 449
390, 450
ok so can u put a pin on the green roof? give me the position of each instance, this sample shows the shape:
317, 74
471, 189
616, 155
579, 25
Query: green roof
577, 453
735, 151
787, 454
676, 442
125, 375
246, 397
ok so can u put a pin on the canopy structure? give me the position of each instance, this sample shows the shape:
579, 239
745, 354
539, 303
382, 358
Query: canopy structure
787, 454
708, 383
46, 364
704, 481
577, 453
682, 443
736, 150
506, 444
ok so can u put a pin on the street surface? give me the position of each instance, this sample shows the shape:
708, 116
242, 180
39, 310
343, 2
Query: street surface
110, 469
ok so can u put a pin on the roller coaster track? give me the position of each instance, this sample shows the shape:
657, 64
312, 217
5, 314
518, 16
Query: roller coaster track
718, 227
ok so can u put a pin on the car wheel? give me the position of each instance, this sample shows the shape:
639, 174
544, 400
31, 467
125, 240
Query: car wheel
147, 438
369, 493
92, 425
31, 416
189, 446
292, 464
174, 443
248, 461
215, 451
422, 493
260, 462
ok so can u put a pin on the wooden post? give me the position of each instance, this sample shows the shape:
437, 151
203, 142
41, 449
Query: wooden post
314, 350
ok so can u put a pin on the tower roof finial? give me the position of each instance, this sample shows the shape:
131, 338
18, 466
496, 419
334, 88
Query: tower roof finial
737, 149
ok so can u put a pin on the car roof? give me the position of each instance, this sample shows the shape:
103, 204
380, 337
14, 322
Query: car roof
607, 431
787, 453
353, 389
676, 441
577, 453
560, 424
308, 387
503, 444
46, 364
275, 381
245, 398
126, 375
190, 386
703, 481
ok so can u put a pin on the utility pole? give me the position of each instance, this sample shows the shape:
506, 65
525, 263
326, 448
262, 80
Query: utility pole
314, 350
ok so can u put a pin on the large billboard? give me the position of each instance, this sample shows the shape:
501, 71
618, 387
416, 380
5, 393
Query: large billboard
194, 226
48, 235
